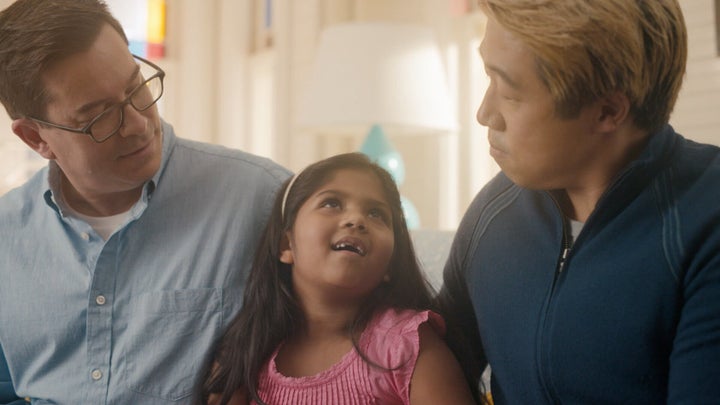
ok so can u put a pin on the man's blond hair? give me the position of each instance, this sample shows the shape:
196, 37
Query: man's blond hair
586, 49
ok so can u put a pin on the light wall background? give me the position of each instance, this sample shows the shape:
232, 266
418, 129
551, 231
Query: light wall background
231, 80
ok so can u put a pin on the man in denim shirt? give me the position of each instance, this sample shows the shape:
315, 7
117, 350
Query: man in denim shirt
123, 259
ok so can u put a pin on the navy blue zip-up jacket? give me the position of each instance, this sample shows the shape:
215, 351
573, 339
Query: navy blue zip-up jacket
630, 313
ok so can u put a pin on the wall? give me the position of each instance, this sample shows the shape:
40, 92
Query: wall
219, 90
697, 113
249, 99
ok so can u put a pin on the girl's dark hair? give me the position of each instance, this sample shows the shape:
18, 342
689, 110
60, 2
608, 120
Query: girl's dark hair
271, 312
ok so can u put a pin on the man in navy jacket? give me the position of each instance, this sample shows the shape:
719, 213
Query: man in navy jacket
588, 270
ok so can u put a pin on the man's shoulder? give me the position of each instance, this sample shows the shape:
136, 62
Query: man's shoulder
698, 158
24, 197
690, 182
500, 188
498, 195
208, 156
24, 214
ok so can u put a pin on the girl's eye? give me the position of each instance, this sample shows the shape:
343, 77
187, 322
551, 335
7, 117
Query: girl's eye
330, 203
379, 214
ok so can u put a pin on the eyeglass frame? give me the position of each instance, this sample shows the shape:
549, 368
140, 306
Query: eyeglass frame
121, 105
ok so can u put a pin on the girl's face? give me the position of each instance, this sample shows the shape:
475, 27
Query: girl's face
342, 239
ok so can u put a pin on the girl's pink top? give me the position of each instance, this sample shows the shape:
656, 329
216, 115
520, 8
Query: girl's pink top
390, 340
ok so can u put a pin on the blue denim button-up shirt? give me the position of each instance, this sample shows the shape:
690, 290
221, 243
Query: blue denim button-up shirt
129, 320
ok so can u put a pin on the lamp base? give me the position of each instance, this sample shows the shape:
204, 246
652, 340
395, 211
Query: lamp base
378, 148
412, 218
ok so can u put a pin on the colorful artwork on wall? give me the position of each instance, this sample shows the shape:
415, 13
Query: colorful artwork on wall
262, 25
144, 25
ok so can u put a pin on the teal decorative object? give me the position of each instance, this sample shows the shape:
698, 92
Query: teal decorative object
412, 218
379, 149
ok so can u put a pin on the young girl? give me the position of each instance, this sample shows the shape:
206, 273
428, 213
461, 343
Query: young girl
335, 308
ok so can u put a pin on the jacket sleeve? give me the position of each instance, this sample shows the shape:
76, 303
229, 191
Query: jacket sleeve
7, 393
694, 376
456, 307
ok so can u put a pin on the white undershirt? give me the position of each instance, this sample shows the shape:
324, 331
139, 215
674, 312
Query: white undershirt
104, 226
575, 228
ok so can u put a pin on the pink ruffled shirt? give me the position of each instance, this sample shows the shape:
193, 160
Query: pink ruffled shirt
390, 340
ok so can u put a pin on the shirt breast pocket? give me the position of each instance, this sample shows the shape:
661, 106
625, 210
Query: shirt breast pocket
169, 334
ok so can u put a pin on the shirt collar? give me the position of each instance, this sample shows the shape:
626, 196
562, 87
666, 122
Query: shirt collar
53, 193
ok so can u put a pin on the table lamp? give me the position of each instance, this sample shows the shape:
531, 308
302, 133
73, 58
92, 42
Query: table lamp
373, 77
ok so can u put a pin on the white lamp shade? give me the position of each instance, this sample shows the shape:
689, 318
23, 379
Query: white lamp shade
383, 73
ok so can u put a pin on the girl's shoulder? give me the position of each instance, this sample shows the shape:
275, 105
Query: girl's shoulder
391, 345
392, 320
394, 334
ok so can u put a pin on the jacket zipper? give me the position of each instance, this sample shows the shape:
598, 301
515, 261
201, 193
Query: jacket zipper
562, 261
565, 243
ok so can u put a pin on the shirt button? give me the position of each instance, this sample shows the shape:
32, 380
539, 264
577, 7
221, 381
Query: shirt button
100, 300
96, 374
85, 236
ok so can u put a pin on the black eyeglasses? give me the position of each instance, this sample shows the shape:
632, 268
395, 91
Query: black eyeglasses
109, 122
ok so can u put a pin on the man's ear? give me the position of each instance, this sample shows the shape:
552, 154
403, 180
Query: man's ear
29, 132
286, 253
614, 111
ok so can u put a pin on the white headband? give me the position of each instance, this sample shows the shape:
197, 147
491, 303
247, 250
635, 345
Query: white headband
285, 196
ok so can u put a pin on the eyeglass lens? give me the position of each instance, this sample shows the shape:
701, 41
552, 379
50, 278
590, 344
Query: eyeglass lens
142, 98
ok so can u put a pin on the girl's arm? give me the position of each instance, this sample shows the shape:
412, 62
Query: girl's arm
437, 378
